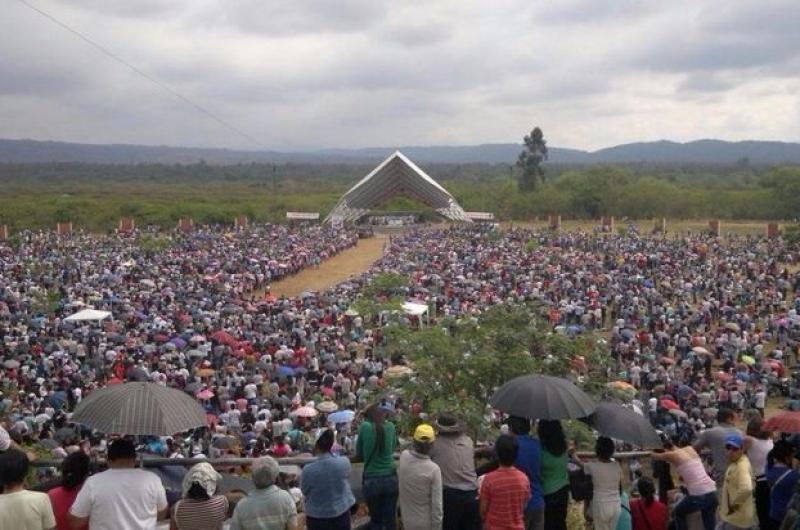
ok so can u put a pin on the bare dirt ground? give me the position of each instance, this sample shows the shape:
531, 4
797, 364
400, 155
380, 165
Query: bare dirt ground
351, 262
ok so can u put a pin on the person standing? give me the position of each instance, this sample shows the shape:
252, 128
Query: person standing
736, 504
504, 492
121, 497
420, 484
268, 507
529, 462
74, 471
782, 479
714, 439
555, 481
375, 447
702, 489
606, 482
201, 508
21, 509
647, 512
454, 453
325, 484
757, 444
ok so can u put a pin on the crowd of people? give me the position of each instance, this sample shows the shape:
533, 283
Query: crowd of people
696, 327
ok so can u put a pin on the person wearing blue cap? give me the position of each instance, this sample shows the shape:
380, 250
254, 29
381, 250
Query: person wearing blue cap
736, 505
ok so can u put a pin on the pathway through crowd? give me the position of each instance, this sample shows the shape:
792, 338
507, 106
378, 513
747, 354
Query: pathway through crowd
350, 262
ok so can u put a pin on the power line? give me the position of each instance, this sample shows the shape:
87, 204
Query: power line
147, 76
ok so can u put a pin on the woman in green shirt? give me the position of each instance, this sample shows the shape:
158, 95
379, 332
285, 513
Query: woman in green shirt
375, 447
555, 481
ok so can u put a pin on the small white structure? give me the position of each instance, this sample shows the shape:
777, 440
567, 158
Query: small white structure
302, 216
93, 315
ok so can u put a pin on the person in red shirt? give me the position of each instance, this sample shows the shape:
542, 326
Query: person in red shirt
504, 492
647, 513
74, 470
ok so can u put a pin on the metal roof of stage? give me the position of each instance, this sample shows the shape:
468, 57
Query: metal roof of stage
397, 175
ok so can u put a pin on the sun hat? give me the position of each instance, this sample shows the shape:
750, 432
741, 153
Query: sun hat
447, 423
424, 433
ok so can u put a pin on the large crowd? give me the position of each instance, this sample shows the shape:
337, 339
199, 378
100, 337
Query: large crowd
701, 330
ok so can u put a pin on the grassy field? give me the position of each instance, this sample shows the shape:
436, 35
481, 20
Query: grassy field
681, 226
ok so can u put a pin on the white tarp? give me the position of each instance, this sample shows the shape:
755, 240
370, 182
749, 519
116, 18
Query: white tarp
414, 308
88, 314
307, 216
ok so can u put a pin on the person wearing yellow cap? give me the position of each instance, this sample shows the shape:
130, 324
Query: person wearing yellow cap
420, 483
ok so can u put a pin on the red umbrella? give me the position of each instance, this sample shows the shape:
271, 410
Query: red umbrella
223, 337
669, 404
788, 421
667, 360
162, 338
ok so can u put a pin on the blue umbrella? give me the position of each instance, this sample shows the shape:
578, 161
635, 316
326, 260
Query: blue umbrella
341, 416
178, 342
285, 370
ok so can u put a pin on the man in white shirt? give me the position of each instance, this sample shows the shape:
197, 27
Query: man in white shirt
122, 497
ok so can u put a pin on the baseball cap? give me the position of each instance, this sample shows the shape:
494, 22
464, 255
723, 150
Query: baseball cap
734, 440
424, 433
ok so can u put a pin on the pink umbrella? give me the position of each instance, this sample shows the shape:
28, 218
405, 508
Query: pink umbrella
205, 394
304, 412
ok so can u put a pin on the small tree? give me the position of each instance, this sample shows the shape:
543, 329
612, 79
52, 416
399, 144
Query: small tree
530, 160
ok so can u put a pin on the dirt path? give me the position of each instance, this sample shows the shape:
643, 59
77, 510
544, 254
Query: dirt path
337, 269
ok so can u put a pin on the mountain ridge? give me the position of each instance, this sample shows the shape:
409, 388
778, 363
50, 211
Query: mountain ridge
704, 151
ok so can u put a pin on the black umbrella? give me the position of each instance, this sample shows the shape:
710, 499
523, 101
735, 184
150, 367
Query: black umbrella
621, 423
140, 408
542, 397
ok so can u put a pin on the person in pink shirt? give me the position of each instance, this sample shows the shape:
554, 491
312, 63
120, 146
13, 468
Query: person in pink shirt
74, 470
505, 491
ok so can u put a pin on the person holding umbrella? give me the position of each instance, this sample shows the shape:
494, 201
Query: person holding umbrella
553, 472
606, 481
122, 497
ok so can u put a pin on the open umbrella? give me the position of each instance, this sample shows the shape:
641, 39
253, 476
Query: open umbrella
398, 370
285, 370
327, 406
788, 421
205, 372
621, 385
196, 354
748, 360
668, 404
723, 376
139, 409
341, 416
542, 397
733, 326
700, 350
621, 423
11, 364
205, 394
304, 412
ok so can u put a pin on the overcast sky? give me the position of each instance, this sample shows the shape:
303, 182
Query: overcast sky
301, 74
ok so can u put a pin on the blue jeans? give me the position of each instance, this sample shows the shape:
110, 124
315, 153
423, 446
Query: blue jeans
705, 504
381, 495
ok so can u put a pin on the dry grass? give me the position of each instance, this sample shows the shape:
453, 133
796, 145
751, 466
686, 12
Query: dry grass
351, 262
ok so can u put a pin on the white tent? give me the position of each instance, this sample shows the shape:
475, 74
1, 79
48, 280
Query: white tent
414, 308
88, 315
397, 175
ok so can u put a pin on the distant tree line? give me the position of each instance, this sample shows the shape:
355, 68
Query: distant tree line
96, 196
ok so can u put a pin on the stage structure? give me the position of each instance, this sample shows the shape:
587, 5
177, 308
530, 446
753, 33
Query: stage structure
397, 175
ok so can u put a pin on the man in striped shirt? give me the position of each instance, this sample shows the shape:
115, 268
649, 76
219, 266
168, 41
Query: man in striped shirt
504, 492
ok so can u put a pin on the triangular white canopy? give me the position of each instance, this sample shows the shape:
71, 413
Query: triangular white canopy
397, 175
88, 314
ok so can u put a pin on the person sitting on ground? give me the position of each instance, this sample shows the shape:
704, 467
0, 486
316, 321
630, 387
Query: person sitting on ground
122, 497
74, 471
201, 507
268, 507
647, 512
21, 509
